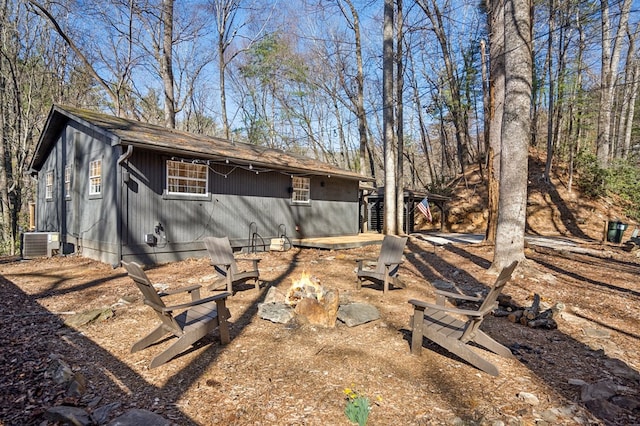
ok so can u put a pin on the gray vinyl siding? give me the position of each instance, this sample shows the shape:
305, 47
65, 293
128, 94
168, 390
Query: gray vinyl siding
87, 224
233, 204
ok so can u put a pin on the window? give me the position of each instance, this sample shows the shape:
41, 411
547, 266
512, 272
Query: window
67, 181
187, 178
48, 189
95, 177
301, 189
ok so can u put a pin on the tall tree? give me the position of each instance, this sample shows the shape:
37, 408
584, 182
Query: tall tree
399, 80
608, 73
495, 15
388, 60
628, 96
34, 70
357, 96
516, 134
453, 82
551, 94
166, 64
423, 131
112, 88
225, 12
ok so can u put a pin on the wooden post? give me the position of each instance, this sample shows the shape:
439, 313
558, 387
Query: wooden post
223, 324
416, 333
32, 216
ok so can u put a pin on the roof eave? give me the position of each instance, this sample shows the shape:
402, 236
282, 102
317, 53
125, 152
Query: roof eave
245, 161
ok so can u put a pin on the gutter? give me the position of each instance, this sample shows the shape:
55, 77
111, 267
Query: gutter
122, 178
124, 157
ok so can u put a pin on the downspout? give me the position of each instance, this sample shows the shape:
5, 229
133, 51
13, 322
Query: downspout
123, 179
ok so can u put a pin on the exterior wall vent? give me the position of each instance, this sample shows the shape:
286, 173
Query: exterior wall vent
40, 244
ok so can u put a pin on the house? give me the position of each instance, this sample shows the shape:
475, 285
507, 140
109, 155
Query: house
117, 189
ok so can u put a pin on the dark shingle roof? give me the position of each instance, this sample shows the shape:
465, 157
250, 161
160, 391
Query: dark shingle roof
179, 143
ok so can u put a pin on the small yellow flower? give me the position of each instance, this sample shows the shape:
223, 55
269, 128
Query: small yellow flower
350, 393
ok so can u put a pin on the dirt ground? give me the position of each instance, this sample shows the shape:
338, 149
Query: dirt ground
278, 374
275, 374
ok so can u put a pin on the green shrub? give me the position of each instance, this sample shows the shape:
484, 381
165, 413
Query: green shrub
622, 179
592, 177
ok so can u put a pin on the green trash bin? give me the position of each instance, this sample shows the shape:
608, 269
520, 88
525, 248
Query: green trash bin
615, 230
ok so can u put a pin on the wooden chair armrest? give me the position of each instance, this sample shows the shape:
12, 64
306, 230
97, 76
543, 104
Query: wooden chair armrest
395, 263
246, 259
459, 296
188, 289
417, 304
189, 304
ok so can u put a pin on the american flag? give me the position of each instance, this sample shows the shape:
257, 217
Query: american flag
423, 206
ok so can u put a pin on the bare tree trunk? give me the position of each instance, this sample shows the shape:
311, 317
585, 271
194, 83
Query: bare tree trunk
496, 111
424, 132
516, 134
359, 95
167, 64
551, 94
115, 97
400, 122
4, 139
5, 234
486, 101
575, 122
388, 60
635, 72
223, 88
610, 60
629, 91
225, 12
456, 107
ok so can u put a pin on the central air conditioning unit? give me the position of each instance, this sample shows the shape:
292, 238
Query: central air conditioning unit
40, 244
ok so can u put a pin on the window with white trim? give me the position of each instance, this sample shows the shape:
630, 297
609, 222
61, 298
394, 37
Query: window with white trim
187, 178
95, 177
301, 190
48, 188
67, 181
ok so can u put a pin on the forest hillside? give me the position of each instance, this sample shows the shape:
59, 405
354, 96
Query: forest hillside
552, 208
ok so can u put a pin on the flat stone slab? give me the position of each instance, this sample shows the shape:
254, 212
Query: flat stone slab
92, 315
68, 415
357, 313
137, 417
280, 313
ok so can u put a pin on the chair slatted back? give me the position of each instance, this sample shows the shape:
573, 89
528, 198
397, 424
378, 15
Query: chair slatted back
220, 252
501, 281
150, 293
489, 301
391, 252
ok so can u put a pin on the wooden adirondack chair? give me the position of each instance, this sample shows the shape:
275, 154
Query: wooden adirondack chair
389, 260
222, 260
196, 319
434, 322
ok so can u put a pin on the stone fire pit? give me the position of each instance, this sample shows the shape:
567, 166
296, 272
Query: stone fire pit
308, 302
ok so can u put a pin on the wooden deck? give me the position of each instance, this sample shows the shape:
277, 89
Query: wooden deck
339, 243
